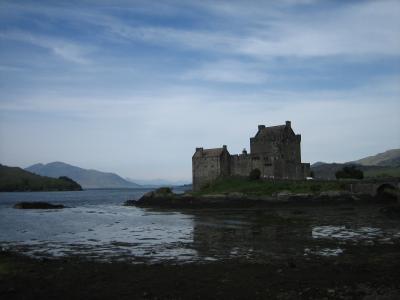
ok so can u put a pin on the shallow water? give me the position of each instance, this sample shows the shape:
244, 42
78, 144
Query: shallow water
96, 225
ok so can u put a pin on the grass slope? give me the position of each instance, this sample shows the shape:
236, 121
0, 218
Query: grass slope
267, 187
327, 171
16, 179
384, 172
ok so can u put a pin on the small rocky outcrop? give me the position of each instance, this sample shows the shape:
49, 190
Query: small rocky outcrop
162, 194
38, 205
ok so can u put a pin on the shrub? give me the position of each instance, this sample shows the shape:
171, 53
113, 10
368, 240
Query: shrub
315, 188
349, 172
164, 190
255, 174
65, 178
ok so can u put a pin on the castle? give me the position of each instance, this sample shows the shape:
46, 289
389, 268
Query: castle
275, 151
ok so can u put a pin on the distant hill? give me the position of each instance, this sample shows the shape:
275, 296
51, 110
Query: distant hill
386, 164
390, 158
13, 179
86, 178
327, 171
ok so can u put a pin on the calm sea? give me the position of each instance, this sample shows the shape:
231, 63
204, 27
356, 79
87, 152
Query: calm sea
97, 226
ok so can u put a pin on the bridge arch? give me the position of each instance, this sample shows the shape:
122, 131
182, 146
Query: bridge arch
387, 191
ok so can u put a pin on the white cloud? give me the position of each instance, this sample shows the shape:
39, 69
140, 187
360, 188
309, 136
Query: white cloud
67, 50
260, 30
229, 71
365, 28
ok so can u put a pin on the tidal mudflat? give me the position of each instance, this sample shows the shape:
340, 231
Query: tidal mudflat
348, 251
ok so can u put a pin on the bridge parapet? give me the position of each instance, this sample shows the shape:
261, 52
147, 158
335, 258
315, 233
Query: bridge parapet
374, 186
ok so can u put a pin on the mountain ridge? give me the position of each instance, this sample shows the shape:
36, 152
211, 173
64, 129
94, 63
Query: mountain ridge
388, 158
87, 178
380, 165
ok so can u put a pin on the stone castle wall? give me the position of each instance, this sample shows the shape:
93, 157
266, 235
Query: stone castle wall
206, 168
275, 151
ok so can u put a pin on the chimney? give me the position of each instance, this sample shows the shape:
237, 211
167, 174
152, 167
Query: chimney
244, 151
288, 124
261, 127
224, 147
199, 149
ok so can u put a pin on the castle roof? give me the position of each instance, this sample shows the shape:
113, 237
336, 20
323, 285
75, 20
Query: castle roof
213, 152
274, 132
271, 131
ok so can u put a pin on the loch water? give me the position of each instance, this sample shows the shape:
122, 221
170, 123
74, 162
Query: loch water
96, 225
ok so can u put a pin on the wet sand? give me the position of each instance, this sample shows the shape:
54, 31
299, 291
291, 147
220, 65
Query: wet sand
373, 275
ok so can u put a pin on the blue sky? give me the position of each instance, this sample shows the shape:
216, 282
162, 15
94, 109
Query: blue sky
134, 86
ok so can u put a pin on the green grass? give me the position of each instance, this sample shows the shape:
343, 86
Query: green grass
3, 269
263, 187
383, 173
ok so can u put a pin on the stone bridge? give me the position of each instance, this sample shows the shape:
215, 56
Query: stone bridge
377, 187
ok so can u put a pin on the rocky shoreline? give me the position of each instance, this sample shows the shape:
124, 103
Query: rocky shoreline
321, 278
167, 199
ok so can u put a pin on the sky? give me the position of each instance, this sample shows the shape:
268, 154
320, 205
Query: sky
133, 87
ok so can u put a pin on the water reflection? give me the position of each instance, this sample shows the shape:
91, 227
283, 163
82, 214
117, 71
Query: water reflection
114, 232
286, 233
254, 235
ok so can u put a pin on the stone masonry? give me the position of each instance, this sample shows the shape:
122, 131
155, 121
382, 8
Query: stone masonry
275, 151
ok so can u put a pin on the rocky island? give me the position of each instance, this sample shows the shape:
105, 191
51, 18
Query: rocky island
272, 173
243, 192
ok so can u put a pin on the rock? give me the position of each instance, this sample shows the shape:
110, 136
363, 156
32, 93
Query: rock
333, 193
331, 291
213, 196
284, 194
130, 203
236, 195
163, 191
149, 194
37, 205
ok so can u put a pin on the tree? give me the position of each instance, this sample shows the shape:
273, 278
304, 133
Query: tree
349, 172
255, 174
